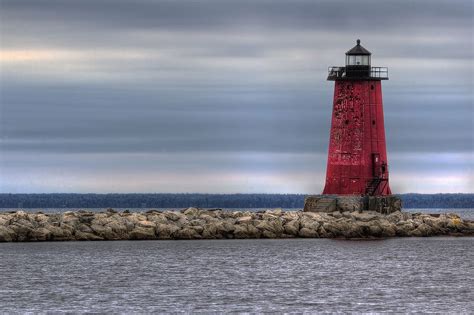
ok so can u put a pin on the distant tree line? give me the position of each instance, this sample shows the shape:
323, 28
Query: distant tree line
151, 200
206, 200
438, 200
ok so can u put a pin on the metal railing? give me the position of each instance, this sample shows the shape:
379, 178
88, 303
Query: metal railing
379, 72
343, 73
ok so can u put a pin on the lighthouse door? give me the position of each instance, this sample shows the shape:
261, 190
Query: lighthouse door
376, 165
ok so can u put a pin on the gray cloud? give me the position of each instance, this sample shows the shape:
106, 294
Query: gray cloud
402, 28
119, 14
291, 121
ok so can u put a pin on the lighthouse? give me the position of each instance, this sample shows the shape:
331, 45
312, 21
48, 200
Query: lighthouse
357, 166
357, 159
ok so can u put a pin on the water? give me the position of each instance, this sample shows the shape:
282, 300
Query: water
466, 213
293, 275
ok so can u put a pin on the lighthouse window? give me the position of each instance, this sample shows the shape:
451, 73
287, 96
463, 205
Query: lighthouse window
372, 87
365, 60
352, 60
357, 60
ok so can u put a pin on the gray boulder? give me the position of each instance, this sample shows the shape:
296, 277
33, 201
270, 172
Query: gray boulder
292, 227
141, 233
6, 234
84, 236
40, 234
187, 233
308, 233
166, 231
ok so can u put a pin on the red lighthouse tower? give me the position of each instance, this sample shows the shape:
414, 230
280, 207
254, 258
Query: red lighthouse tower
357, 158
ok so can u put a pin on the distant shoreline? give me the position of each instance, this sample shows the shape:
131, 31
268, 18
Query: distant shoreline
185, 200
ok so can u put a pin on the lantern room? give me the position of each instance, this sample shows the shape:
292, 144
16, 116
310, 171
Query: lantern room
358, 67
358, 62
358, 56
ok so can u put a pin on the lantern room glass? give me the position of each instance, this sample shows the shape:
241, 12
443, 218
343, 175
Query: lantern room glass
357, 60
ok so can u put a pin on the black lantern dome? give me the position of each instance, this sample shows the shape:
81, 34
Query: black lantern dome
358, 66
358, 50
358, 56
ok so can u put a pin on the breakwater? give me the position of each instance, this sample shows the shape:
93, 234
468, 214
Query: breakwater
193, 223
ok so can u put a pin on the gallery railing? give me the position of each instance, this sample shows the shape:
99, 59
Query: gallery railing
341, 73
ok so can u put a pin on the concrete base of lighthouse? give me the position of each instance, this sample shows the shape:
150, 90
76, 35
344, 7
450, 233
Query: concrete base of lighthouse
341, 203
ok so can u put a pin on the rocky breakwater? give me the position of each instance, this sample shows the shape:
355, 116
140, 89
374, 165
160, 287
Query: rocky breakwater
207, 224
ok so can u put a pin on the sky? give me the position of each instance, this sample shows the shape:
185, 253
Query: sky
220, 96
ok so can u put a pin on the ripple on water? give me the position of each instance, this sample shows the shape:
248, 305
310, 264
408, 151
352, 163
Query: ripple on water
399, 275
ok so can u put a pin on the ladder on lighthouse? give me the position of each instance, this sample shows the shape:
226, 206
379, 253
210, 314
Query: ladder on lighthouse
373, 185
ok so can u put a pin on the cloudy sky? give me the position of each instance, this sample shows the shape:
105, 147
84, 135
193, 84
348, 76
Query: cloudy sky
224, 96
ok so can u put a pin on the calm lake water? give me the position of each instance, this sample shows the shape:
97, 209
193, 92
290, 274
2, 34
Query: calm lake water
293, 275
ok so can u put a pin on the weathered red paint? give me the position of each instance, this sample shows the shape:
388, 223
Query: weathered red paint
357, 150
